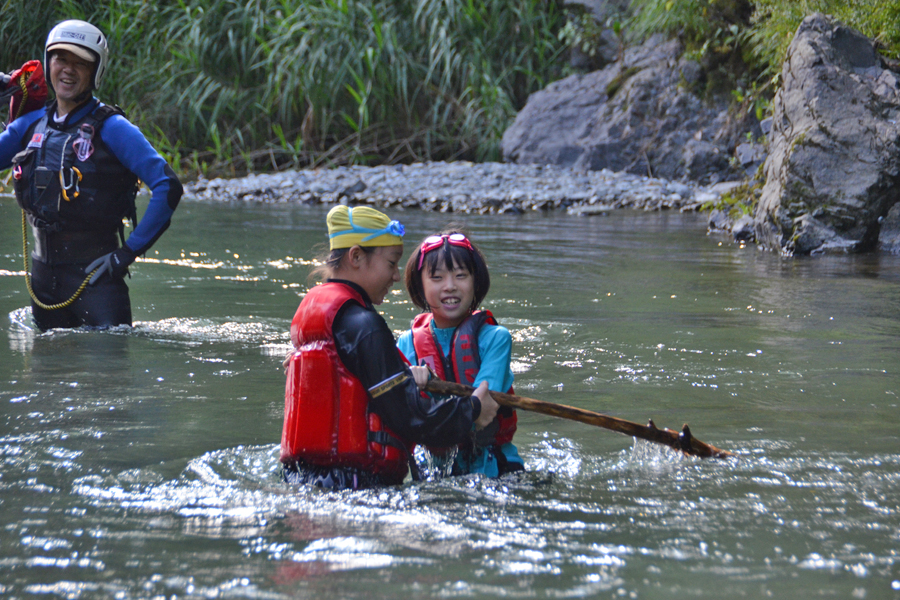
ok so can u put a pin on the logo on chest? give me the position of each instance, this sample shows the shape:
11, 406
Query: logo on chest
37, 140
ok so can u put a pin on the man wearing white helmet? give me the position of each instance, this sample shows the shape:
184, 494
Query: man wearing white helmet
77, 165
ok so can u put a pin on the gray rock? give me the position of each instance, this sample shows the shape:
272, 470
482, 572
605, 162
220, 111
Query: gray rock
833, 168
638, 115
889, 235
726, 186
355, 188
718, 220
749, 154
743, 229
702, 159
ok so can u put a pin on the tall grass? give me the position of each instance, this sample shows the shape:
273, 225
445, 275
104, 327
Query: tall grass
21, 34
348, 81
224, 86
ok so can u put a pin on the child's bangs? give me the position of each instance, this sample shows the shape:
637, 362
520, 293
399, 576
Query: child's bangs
447, 256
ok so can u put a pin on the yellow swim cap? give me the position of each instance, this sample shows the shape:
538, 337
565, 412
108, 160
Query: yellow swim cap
363, 226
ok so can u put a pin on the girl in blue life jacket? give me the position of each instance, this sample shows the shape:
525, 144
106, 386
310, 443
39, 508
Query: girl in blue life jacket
447, 277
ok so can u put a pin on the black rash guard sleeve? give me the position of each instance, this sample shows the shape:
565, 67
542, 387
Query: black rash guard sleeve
367, 348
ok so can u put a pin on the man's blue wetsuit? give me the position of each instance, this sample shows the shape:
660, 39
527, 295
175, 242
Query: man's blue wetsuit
76, 197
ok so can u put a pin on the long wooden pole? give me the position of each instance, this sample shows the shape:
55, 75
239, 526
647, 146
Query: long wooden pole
682, 441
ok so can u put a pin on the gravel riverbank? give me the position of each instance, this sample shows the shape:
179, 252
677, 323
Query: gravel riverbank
463, 187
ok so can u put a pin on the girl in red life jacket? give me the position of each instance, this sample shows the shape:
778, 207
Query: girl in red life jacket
353, 410
447, 277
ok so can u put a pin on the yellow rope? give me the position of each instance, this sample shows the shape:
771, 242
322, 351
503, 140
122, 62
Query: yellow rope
23, 78
28, 276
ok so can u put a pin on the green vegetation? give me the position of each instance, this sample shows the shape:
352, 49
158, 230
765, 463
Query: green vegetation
226, 86
774, 23
742, 43
738, 202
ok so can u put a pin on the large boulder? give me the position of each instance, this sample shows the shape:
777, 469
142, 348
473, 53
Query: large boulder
833, 168
637, 115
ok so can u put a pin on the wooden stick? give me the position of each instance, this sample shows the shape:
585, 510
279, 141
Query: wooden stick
682, 441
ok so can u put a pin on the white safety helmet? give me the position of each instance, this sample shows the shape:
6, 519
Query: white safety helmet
82, 39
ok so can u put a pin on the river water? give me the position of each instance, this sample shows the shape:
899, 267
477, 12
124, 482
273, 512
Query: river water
144, 463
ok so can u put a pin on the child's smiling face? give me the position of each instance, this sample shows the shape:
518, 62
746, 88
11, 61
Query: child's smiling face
449, 294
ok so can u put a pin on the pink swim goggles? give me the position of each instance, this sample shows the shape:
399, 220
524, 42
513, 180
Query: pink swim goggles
437, 241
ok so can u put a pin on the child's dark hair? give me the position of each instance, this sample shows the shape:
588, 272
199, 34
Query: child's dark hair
329, 261
448, 254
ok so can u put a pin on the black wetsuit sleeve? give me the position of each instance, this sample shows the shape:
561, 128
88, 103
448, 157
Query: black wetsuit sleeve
366, 346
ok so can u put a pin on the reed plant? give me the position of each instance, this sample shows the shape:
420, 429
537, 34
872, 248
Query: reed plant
261, 84
224, 86
340, 81
21, 34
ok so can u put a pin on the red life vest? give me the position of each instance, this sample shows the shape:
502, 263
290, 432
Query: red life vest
326, 416
464, 361
27, 88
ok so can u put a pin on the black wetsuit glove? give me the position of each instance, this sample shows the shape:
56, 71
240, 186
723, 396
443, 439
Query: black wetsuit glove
115, 263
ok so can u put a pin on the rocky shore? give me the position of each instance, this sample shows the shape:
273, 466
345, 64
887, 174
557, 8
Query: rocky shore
464, 187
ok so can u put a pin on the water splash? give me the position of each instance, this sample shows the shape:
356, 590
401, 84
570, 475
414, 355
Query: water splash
435, 466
